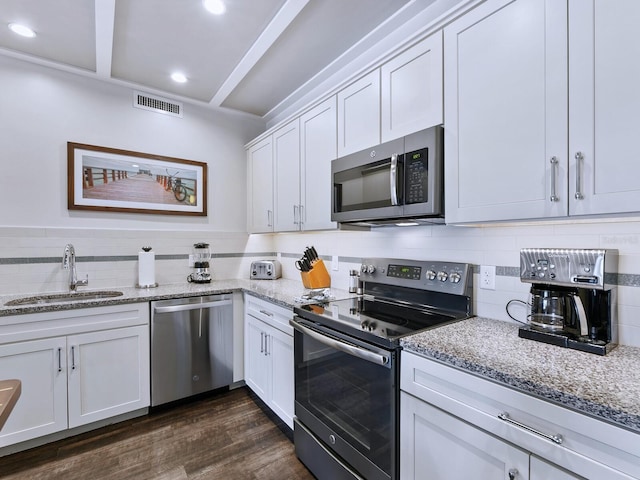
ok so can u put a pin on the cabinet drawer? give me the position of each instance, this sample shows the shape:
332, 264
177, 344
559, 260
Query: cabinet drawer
588, 447
270, 313
17, 328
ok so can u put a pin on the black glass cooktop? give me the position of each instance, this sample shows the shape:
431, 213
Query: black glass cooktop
372, 319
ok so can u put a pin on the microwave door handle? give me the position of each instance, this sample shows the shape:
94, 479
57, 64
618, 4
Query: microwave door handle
393, 179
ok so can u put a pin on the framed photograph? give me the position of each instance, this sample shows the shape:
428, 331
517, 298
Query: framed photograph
112, 180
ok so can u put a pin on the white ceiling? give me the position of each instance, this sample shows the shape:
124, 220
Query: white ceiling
257, 57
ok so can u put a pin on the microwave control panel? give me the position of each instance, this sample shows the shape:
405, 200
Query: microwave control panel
416, 176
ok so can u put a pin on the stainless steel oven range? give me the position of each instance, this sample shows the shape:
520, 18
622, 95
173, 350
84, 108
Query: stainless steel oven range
347, 363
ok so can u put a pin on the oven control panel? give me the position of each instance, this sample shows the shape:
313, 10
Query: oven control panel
447, 277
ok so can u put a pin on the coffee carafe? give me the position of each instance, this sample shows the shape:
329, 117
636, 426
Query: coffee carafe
201, 259
571, 302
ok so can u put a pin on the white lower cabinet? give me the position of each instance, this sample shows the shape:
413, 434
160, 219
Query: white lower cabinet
108, 373
439, 446
42, 407
269, 355
76, 367
450, 428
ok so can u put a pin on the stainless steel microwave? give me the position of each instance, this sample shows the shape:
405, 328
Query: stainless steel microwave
397, 182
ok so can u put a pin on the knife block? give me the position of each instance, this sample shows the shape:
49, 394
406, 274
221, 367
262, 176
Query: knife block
317, 277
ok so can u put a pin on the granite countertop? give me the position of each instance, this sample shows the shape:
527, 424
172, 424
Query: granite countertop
606, 387
281, 292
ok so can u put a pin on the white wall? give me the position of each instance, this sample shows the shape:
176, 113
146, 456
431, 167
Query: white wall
490, 245
43, 109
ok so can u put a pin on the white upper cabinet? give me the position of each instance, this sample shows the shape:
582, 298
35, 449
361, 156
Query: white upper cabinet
541, 107
359, 114
604, 100
411, 89
505, 65
260, 187
318, 138
286, 159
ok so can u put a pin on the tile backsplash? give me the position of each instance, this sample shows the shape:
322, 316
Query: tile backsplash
31, 258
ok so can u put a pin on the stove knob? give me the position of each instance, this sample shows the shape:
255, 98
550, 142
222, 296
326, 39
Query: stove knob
363, 268
372, 326
430, 275
442, 276
364, 325
254, 273
454, 277
371, 268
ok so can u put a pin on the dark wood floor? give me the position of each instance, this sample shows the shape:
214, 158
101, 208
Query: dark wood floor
226, 436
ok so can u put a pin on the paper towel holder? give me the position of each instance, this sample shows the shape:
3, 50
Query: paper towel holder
147, 249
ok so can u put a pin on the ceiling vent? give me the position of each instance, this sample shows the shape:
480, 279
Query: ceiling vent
157, 104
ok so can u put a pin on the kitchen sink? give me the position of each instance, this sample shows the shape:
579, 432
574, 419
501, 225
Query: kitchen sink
63, 297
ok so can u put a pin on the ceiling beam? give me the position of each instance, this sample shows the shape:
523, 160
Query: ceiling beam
105, 24
279, 24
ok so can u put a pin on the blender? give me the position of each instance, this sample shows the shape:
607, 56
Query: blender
201, 258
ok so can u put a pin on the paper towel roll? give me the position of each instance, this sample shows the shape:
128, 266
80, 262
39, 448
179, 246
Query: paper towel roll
146, 269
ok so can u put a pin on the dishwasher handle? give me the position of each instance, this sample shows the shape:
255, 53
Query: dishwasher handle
191, 306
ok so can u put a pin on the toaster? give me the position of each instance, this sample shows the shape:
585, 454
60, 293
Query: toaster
265, 270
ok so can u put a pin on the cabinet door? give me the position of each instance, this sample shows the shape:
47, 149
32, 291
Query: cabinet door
359, 115
541, 470
318, 137
411, 87
439, 446
286, 191
42, 407
505, 70
604, 101
256, 373
260, 187
108, 373
280, 353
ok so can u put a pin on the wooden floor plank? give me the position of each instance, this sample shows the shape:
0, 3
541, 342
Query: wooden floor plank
226, 436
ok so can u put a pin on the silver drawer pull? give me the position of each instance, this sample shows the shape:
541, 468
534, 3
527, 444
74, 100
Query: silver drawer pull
268, 314
554, 438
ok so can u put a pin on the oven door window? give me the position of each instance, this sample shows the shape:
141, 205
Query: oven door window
364, 187
351, 396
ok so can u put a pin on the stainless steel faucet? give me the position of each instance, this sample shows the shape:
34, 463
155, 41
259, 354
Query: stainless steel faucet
69, 263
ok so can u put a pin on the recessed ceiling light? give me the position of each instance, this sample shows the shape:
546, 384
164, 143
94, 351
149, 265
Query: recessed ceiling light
214, 6
178, 77
22, 30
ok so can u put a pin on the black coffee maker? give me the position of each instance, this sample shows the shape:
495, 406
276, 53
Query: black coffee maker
572, 302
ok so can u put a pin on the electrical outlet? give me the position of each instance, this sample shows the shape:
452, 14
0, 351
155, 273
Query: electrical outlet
334, 263
488, 277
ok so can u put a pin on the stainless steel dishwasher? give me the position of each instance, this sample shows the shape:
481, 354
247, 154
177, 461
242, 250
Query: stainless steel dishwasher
191, 346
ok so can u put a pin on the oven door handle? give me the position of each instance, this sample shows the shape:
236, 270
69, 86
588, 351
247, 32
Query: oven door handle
343, 347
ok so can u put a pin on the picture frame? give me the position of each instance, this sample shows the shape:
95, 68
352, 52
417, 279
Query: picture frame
113, 180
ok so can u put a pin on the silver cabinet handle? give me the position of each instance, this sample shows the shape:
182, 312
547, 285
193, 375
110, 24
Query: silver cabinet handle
554, 172
59, 360
73, 358
295, 215
266, 344
268, 314
554, 438
393, 179
513, 473
269, 220
301, 210
579, 158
